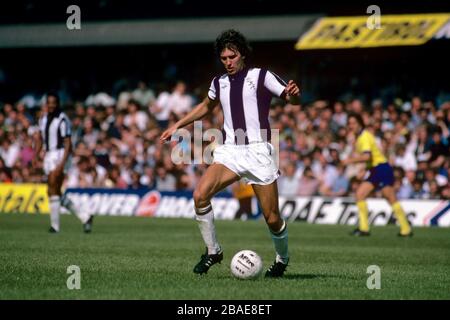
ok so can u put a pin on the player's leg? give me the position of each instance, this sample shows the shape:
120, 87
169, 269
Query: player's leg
245, 208
388, 193
54, 197
267, 196
85, 219
363, 191
216, 178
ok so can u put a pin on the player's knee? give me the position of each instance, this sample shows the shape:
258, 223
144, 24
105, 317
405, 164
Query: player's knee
274, 221
52, 188
389, 194
201, 197
360, 195
391, 198
51, 191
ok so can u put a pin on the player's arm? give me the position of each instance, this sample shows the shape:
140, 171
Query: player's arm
38, 143
364, 157
200, 110
279, 88
364, 149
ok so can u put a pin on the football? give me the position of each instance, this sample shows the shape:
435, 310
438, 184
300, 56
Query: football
246, 264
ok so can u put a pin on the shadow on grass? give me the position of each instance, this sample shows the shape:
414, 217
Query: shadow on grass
298, 276
316, 276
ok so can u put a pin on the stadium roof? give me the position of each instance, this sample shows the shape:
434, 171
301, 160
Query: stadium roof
272, 28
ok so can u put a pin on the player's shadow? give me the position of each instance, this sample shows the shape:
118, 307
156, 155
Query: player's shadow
306, 276
303, 276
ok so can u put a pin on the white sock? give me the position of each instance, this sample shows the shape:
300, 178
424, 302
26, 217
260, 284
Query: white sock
280, 241
55, 204
68, 204
205, 219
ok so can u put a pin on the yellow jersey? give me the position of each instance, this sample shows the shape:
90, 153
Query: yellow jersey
366, 143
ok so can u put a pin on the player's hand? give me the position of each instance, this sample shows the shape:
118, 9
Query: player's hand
165, 136
345, 162
292, 89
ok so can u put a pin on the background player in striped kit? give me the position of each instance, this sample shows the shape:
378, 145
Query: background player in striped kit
244, 94
55, 136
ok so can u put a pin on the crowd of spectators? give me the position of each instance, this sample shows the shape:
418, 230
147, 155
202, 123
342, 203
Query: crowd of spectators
116, 143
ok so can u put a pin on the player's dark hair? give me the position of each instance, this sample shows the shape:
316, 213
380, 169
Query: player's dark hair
358, 118
52, 94
233, 40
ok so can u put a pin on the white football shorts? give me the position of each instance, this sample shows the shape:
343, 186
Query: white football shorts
255, 162
52, 159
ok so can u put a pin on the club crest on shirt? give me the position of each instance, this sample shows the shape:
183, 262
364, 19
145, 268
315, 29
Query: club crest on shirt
250, 83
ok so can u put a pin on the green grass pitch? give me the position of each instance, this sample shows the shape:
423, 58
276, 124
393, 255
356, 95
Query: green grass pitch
150, 258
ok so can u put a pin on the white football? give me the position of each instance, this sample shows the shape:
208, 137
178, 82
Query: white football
246, 264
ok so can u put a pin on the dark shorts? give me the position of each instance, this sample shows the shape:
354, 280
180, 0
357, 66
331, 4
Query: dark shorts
381, 176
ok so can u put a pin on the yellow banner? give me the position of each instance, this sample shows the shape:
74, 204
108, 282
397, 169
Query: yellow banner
354, 32
23, 198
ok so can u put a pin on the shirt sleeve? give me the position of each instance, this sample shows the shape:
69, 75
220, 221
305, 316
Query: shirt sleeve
274, 84
364, 144
65, 128
212, 92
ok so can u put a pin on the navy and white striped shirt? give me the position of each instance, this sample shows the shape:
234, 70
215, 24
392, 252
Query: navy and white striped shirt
245, 99
54, 129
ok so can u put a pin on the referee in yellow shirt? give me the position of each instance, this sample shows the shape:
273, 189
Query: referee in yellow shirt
380, 177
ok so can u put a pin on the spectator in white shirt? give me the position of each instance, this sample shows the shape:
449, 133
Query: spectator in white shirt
9, 151
405, 160
161, 109
180, 102
136, 117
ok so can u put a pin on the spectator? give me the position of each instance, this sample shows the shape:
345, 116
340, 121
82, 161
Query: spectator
114, 180
179, 101
148, 178
9, 151
406, 187
341, 184
26, 153
405, 160
161, 108
135, 117
135, 183
339, 116
80, 176
439, 149
90, 134
289, 182
99, 170
165, 181
309, 184
143, 95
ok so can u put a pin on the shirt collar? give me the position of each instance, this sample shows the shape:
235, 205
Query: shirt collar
239, 75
